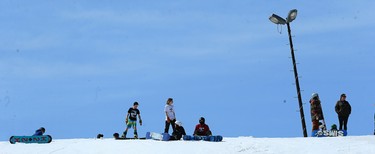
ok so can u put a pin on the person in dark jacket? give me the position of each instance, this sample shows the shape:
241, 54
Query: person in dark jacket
343, 110
202, 128
316, 111
40, 131
179, 131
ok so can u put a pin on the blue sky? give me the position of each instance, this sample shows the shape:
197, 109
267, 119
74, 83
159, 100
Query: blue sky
75, 67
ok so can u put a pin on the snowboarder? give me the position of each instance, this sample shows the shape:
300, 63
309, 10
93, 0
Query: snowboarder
316, 111
40, 131
202, 128
179, 131
170, 115
131, 120
343, 110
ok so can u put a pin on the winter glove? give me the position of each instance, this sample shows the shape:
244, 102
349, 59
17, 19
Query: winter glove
140, 122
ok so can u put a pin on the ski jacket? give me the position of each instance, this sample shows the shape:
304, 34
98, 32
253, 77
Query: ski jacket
179, 131
343, 108
170, 112
202, 130
316, 109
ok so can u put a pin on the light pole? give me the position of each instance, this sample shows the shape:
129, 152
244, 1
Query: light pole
279, 20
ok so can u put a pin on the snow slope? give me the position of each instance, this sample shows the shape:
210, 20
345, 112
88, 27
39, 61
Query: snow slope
351, 144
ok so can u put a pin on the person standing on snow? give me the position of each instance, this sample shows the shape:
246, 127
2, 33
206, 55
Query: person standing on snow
316, 111
343, 110
131, 120
170, 115
202, 128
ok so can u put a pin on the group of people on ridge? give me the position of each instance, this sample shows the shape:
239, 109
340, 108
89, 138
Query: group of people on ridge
342, 108
201, 129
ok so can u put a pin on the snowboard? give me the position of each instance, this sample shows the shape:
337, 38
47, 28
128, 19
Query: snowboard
117, 137
330, 133
217, 138
324, 132
122, 138
158, 136
30, 139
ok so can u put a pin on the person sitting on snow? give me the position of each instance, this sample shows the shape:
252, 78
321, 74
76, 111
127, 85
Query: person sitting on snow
179, 131
334, 127
202, 128
40, 132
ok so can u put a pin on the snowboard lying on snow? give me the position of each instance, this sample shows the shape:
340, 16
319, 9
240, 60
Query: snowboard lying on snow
323, 132
117, 137
329, 133
30, 139
166, 137
216, 138
158, 136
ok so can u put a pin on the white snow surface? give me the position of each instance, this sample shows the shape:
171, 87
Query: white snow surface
332, 145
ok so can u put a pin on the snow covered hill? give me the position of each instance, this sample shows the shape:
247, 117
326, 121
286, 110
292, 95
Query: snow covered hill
351, 144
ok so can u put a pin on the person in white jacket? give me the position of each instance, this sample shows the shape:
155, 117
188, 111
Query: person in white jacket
170, 115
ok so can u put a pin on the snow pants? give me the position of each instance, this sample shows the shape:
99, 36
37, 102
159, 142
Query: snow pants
343, 121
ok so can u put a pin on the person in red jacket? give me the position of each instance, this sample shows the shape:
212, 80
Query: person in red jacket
202, 128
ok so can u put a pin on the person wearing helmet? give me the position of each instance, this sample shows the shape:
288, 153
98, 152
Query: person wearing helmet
343, 110
179, 131
40, 131
316, 111
170, 115
202, 128
131, 120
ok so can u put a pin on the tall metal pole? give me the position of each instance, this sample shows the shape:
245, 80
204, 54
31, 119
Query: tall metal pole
297, 83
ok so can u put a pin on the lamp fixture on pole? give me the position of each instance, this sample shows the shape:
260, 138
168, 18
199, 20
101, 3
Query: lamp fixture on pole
281, 21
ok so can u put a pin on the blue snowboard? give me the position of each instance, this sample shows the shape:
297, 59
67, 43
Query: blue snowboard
331, 133
158, 136
216, 138
30, 139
